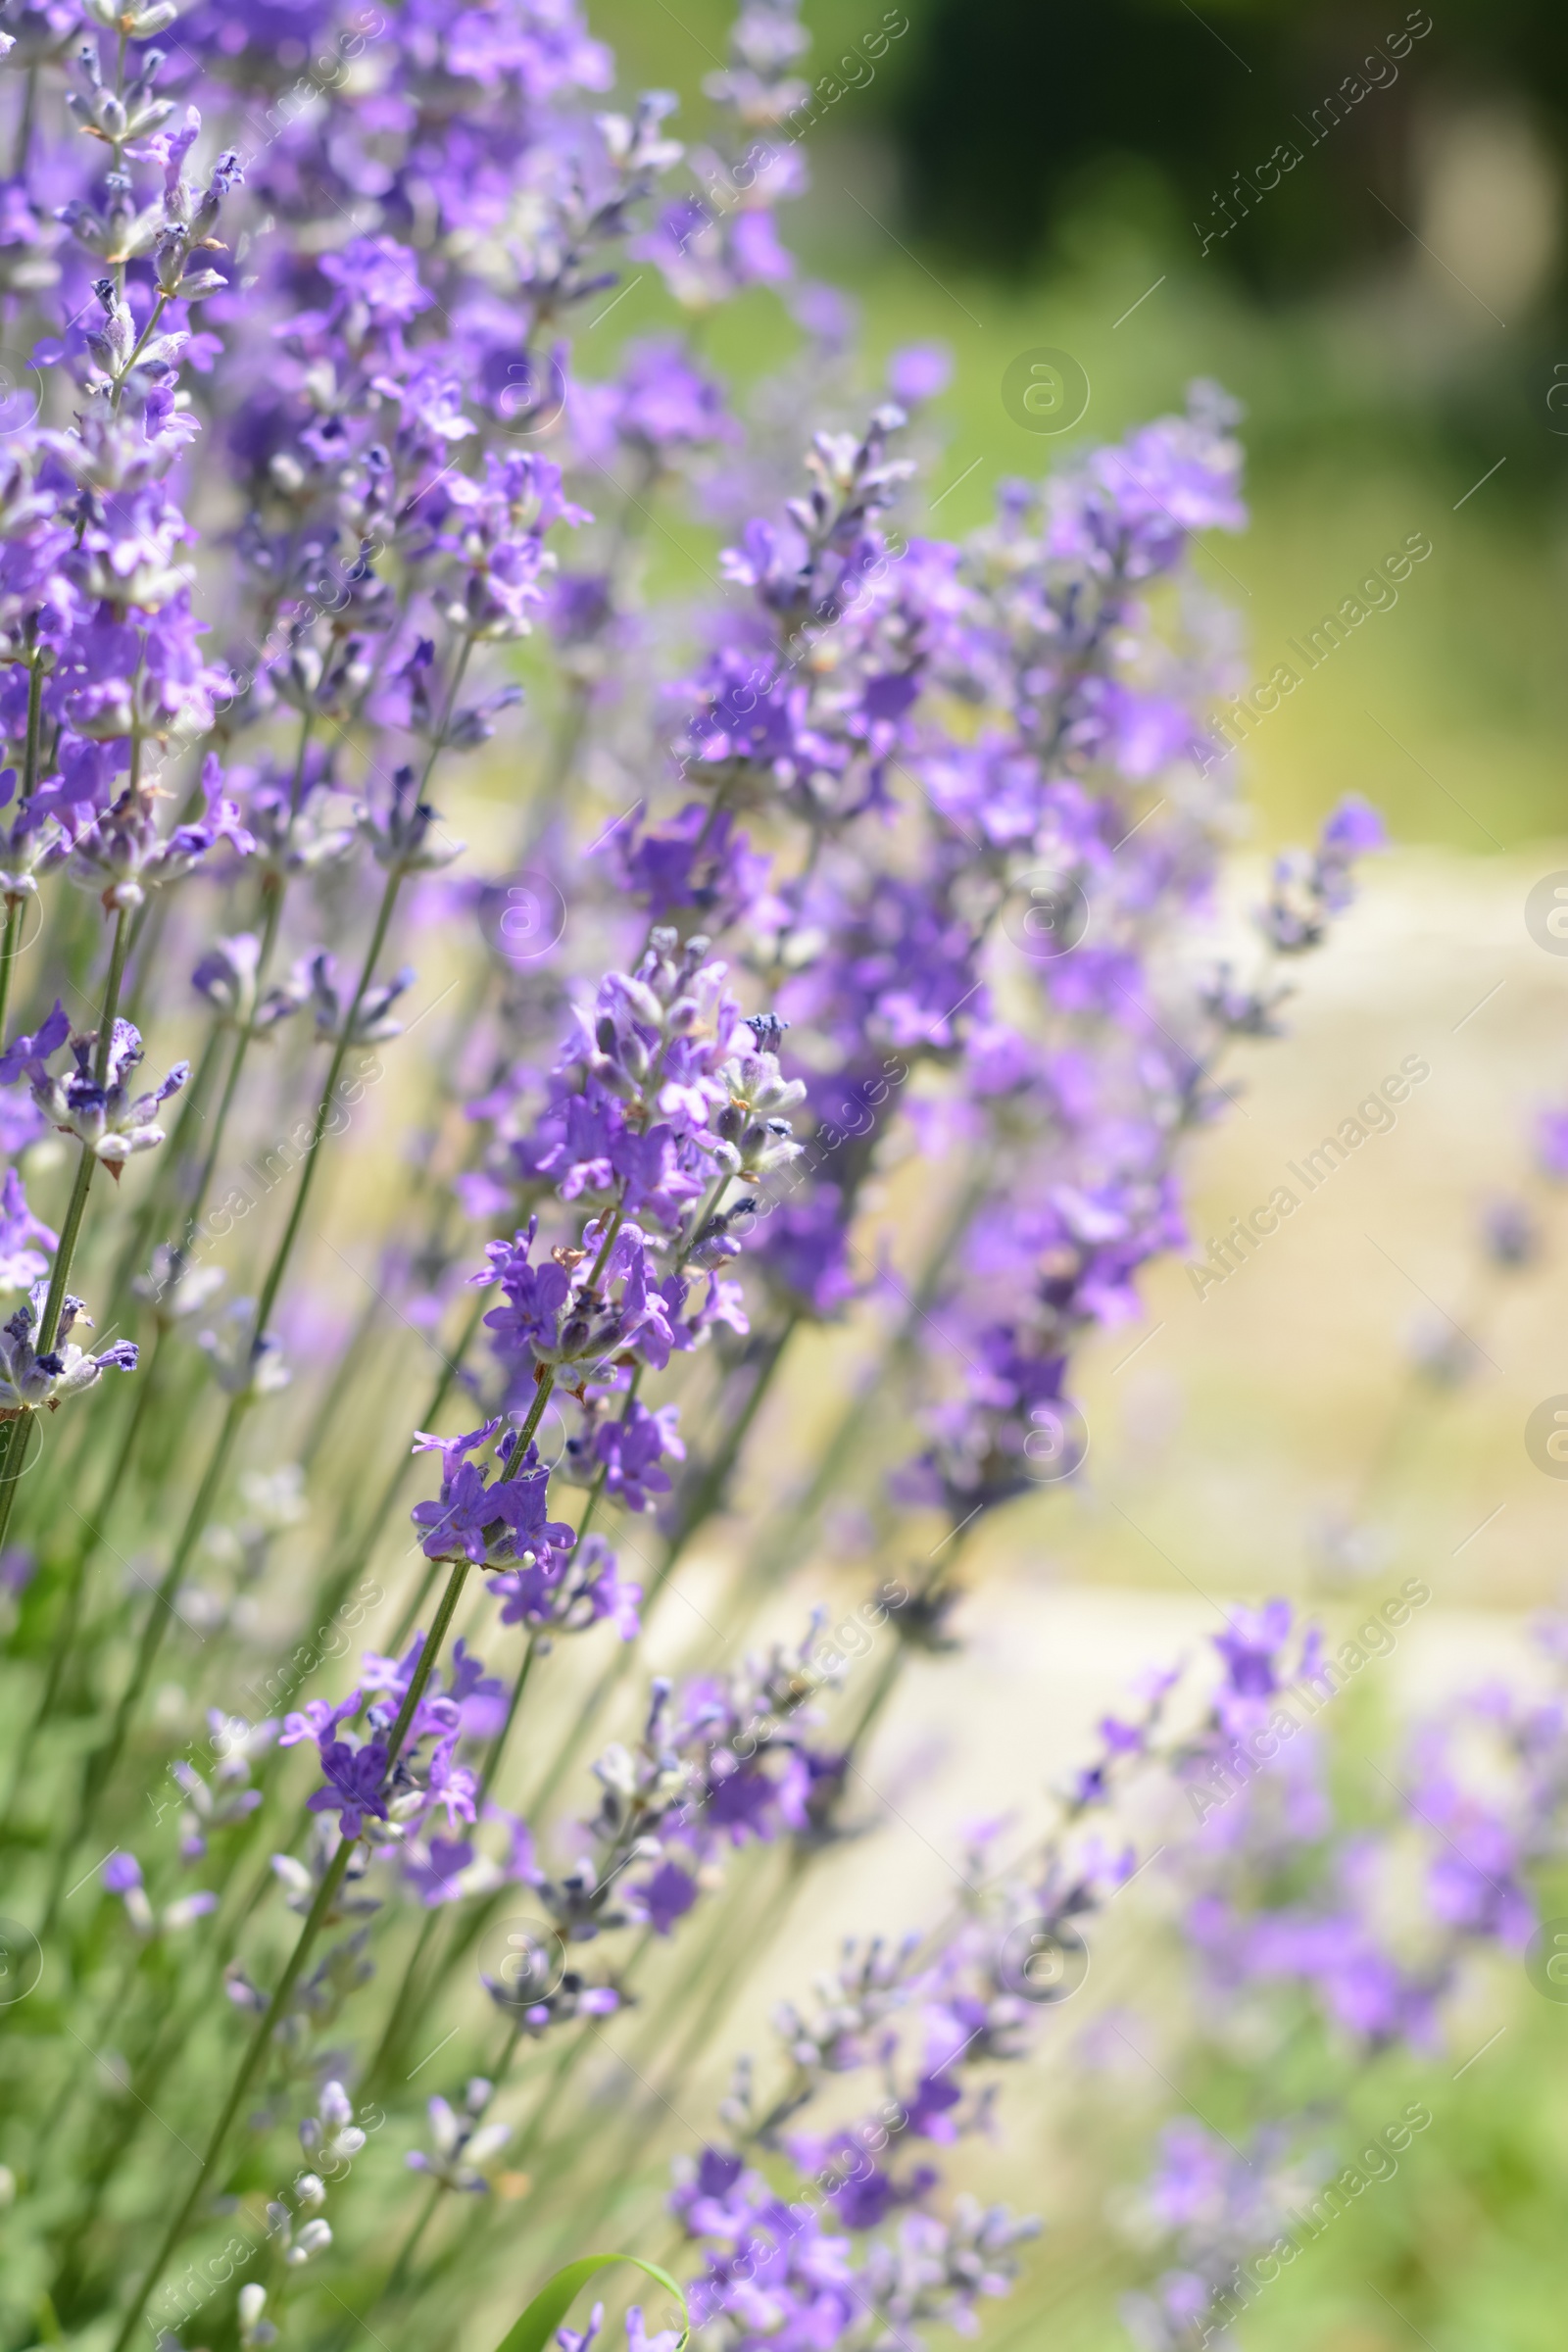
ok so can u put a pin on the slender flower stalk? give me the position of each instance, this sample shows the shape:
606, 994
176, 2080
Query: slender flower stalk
75, 1582
105, 1762
9, 939
325, 1896
273, 916
19, 1433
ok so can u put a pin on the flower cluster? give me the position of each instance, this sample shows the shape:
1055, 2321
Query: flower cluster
33, 1378
93, 1101
364, 1782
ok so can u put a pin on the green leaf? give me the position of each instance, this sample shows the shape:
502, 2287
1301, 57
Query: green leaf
550, 2306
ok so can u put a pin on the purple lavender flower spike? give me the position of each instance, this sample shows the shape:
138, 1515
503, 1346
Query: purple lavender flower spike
107, 1120
354, 1777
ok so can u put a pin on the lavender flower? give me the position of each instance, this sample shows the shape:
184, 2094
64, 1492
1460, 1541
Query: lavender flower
229, 976
104, 1116
463, 2145
31, 1382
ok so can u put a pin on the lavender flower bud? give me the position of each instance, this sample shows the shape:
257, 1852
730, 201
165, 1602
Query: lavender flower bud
255, 2331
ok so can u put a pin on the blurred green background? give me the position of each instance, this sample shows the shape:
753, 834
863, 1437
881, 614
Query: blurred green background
1020, 173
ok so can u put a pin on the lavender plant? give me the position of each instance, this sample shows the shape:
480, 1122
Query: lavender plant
917, 854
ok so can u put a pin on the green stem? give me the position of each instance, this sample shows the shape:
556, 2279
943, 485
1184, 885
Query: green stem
536, 1411
30, 771
153, 1634
712, 1481
714, 1983
71, 1228
410, 1616
340, 1390
496, 2076
596, 1494
274, 886
242, 1046
275, 2007
256, 2050
564, 2068
70, 1231
102, 1764
784, 1536
371, 1534
142, 341
403, 1999
19, 1434
87, 1543
111, 2016
708, 1489
893, 1665
8, 955
398, 2277
29, 101
402, 2002
881, 1692
13, 1461
497, 1746
192, 1101
340, 1054
29, 779
146, 936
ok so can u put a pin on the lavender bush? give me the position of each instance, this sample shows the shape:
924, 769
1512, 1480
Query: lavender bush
328, 1727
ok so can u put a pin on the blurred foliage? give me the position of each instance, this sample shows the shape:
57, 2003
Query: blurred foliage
1014, 106
1020, 175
